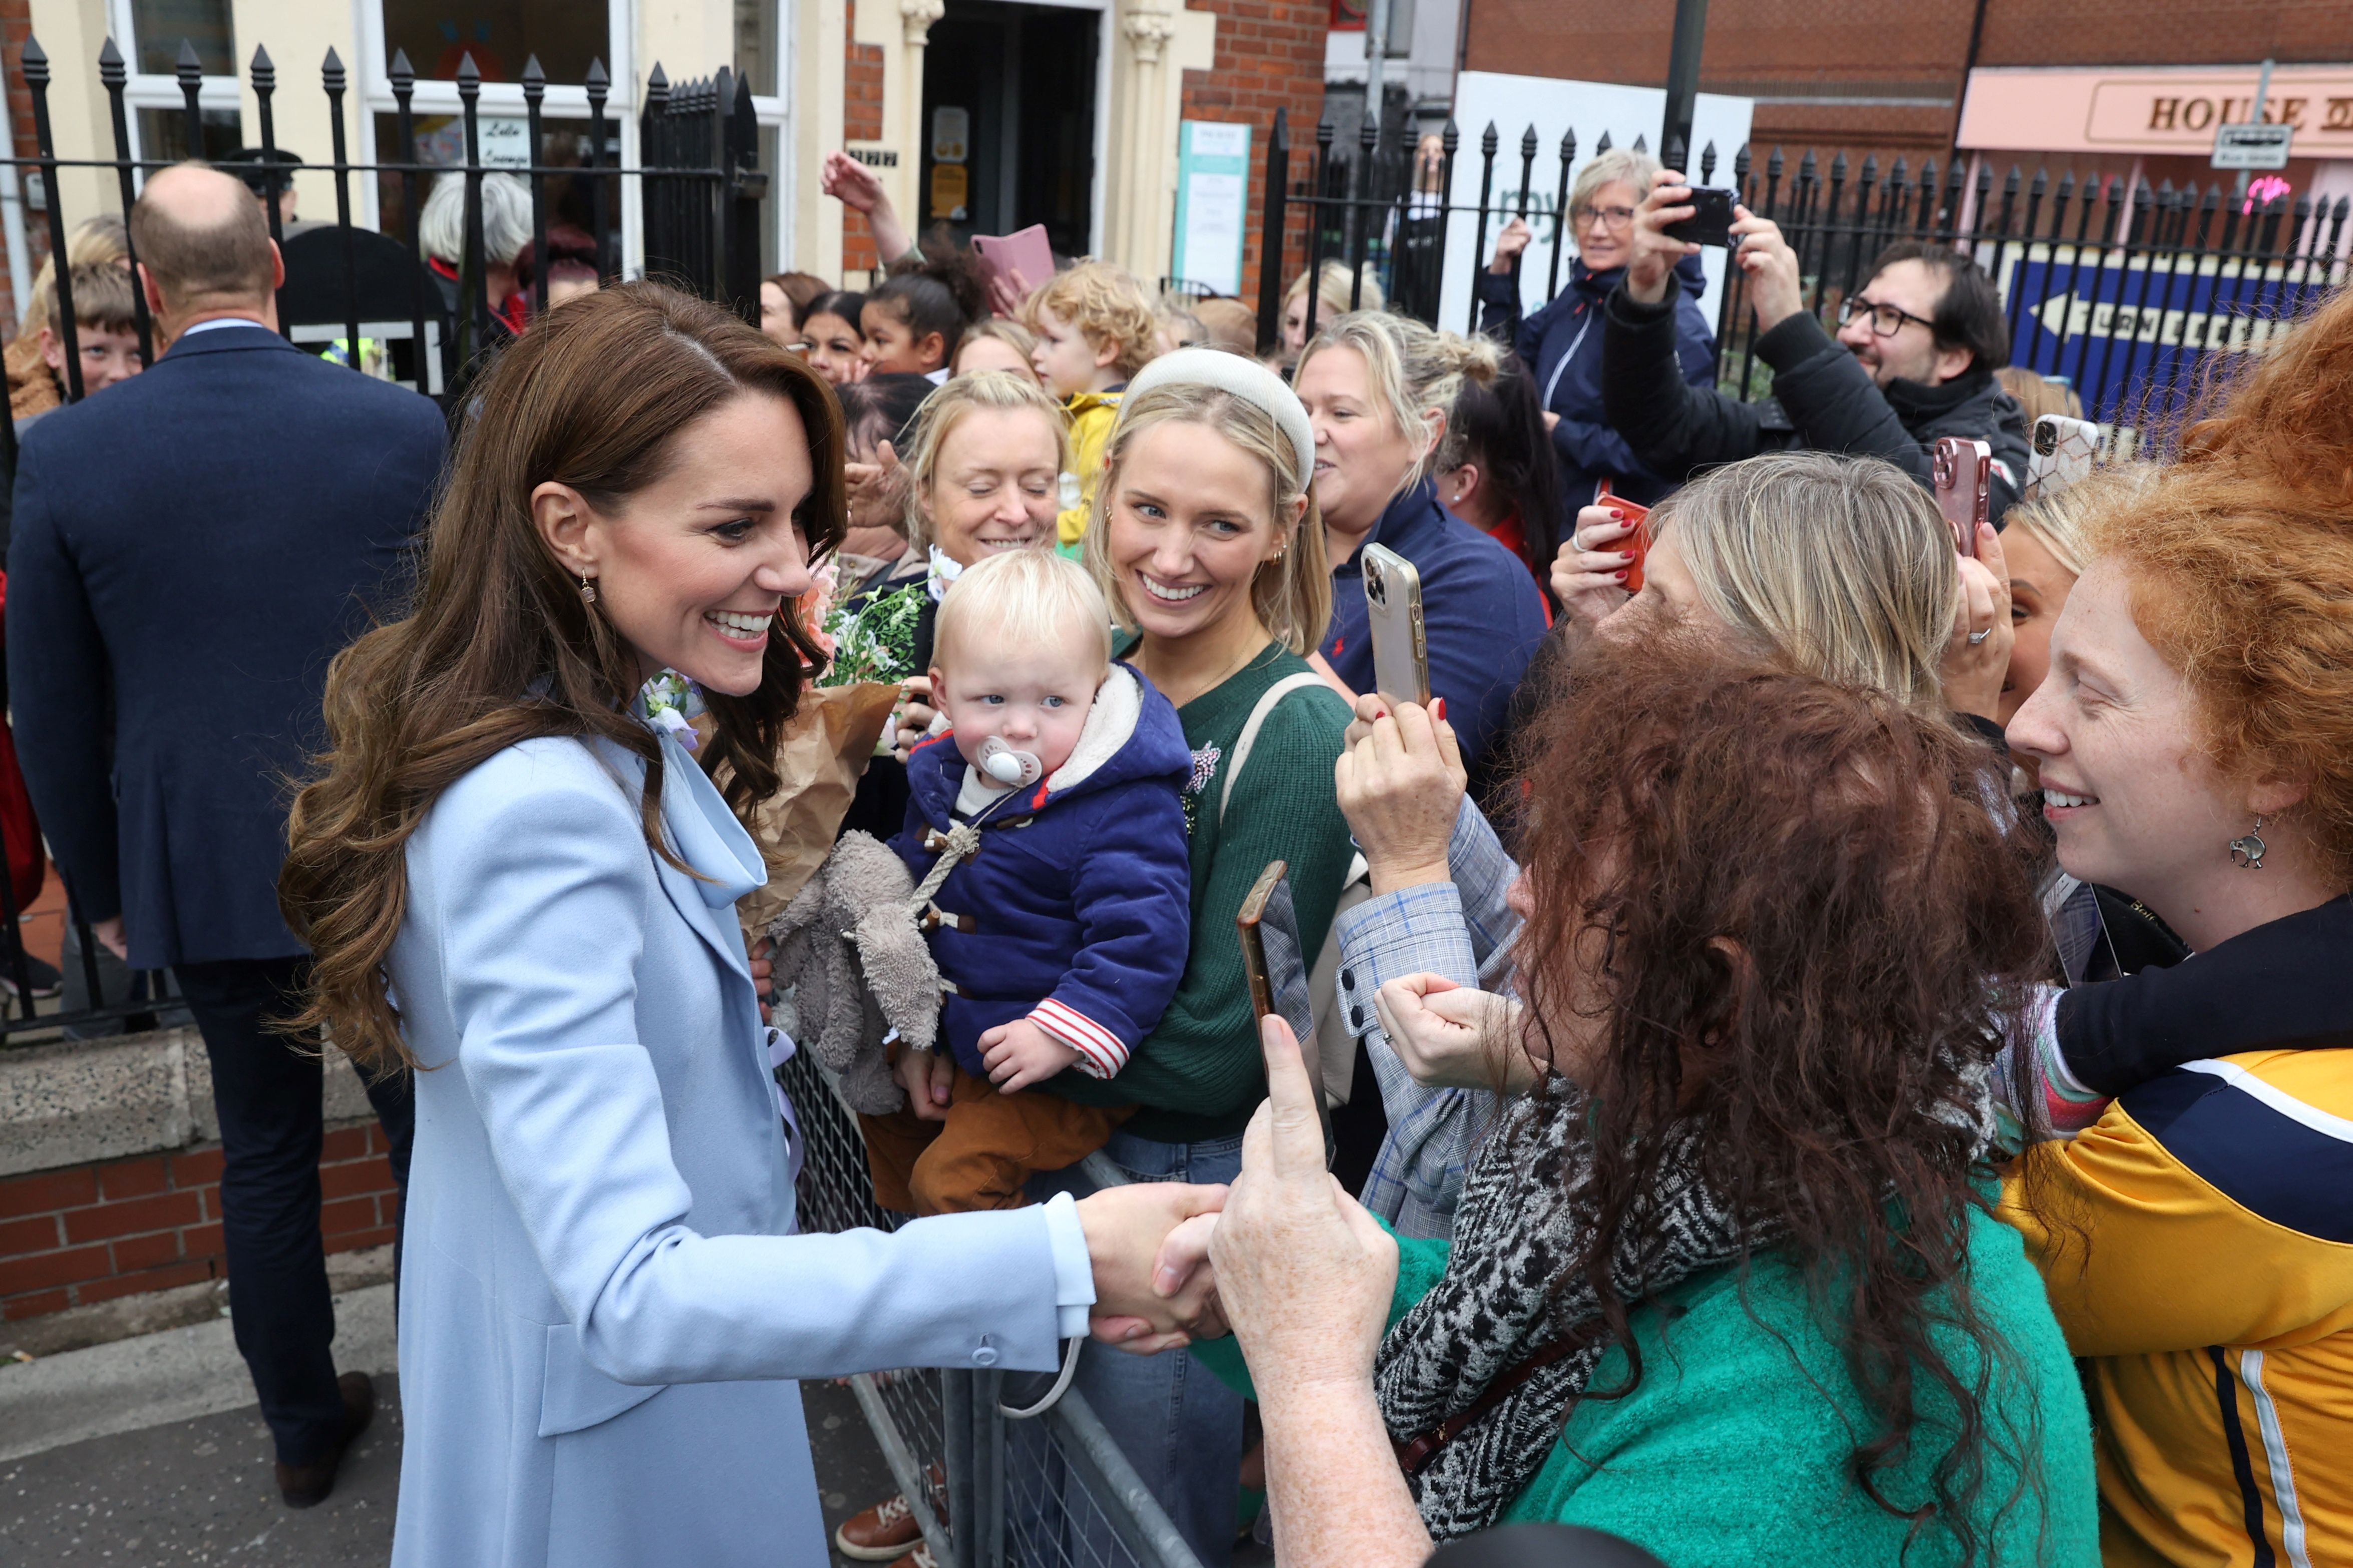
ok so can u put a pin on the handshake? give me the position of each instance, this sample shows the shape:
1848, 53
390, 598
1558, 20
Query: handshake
1149, 1244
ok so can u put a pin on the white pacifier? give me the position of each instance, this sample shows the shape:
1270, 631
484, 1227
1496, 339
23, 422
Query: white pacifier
1008, 767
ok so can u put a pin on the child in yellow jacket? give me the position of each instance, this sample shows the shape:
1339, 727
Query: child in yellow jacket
1095, 328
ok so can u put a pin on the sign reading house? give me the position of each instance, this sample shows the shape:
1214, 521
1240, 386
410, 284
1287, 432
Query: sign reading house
2156, 110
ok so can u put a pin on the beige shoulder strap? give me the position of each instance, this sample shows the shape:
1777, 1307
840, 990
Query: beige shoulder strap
1267, 701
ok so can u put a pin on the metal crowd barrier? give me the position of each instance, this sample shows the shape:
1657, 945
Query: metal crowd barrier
988, 1489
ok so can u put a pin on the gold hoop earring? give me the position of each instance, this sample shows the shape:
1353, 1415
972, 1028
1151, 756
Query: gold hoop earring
588, 589
2247, 852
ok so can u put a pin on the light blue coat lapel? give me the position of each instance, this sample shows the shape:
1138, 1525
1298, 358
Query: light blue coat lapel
706, 836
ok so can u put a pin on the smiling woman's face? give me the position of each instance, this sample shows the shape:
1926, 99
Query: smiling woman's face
2114, 732
994, 485
693, 569
1191, 521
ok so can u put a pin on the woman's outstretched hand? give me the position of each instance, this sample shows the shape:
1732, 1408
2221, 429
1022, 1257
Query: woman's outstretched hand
1400, 783
1126, 1226
1302, 1273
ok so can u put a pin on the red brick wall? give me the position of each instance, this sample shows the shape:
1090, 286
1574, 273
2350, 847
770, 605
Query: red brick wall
92, 1233
1885, 48
1270, 55
15, 26
861, 116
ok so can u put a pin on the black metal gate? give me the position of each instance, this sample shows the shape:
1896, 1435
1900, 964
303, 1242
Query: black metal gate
2123, 291
701, 197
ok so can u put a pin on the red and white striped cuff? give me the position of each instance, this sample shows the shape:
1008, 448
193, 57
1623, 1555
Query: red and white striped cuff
1100, 1053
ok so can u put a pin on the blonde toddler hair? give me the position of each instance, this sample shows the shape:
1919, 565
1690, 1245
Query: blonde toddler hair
1011, 333
1332, 284
957, 396
1105, 302
1293, 592
1030, 598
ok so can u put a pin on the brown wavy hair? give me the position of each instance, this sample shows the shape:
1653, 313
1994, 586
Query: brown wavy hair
2240, 558
1781, 906
499, 646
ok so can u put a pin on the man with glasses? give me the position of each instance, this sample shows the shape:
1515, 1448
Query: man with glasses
1561, 343
1914, 359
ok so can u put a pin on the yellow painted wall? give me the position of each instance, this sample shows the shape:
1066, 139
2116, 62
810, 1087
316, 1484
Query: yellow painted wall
297, 34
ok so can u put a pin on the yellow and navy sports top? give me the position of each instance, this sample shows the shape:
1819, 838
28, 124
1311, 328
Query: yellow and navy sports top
2198, 1242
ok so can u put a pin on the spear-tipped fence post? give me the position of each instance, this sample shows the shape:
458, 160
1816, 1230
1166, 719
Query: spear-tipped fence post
1560, 230
190, 70
330, 76
600, 85
534, 90
112, 74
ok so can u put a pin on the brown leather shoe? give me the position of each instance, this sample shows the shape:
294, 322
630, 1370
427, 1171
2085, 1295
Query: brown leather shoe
306, 1486
921, 1557
880, 1534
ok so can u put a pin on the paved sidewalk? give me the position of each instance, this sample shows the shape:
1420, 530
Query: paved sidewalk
151, 1451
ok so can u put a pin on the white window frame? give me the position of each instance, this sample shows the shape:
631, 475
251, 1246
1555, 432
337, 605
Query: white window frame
773, 111
505, 99
149, 90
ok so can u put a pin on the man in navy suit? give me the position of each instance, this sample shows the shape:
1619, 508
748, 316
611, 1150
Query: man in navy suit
187, 554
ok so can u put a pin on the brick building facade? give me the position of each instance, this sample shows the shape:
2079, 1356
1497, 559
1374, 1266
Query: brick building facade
1270, 56
1891, 75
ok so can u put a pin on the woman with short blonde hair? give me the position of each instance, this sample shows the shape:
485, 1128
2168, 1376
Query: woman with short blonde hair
1560, 343
1379, 389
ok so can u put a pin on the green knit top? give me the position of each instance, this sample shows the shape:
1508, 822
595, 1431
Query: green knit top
1198, 1074
1736, 1445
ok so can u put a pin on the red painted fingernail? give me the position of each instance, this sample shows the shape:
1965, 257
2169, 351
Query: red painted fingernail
1617, 517
1438, 709
1620, 575
1380, 713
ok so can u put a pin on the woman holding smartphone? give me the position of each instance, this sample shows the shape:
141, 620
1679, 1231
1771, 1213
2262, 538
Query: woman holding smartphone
1207, 543
1378, 389
514, 833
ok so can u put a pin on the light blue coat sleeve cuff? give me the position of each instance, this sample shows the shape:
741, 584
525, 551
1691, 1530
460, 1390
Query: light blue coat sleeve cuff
1074, 1271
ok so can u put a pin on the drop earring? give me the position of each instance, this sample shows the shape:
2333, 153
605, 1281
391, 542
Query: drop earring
588, 589
2248, 851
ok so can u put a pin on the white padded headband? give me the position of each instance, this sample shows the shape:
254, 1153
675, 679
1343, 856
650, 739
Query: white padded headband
1244, 377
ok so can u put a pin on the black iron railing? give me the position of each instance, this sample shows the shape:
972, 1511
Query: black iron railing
2123, 291
700, 193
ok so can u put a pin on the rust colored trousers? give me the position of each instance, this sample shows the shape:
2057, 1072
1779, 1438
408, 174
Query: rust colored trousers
988, 1146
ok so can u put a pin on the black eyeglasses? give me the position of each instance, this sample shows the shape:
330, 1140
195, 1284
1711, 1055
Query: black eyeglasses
1612, 219
1886, 320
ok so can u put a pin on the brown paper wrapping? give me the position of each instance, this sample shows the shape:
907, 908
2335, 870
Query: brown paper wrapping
824, 751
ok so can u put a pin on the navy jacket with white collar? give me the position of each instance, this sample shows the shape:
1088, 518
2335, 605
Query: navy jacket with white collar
190, 548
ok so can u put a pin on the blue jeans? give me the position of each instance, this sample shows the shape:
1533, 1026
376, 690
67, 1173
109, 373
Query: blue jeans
1178, 1426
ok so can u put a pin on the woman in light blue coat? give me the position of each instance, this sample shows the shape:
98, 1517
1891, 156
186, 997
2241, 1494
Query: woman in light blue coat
519, 879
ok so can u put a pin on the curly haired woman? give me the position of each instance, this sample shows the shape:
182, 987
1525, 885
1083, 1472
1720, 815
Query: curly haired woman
1726, 1280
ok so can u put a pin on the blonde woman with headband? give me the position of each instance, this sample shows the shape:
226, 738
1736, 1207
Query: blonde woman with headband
984, 461
1379, 390
1867, 596
1207, 544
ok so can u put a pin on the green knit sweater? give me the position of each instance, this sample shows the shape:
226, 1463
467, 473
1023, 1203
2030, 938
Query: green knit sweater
1736, 1445
1198, 1074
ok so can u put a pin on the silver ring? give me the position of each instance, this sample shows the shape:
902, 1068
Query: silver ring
1977, 637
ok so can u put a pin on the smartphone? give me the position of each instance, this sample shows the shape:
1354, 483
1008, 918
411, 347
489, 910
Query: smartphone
1027, 251
2061, 453
1393, 607
1961, 473
1246, 924
1637, 543
1711, 219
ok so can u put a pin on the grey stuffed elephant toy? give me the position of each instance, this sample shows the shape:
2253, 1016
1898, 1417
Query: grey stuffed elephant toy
848, 947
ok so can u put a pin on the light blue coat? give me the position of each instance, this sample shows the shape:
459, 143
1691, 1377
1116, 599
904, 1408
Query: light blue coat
603, 1304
